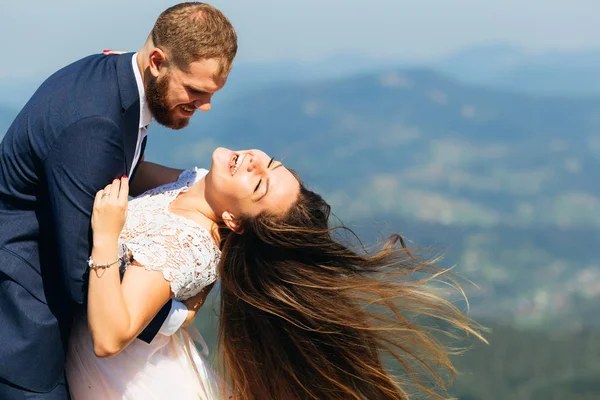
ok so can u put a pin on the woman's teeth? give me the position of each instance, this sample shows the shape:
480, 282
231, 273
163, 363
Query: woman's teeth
235, 162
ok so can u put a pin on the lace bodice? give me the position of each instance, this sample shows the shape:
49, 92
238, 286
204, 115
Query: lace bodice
160, 240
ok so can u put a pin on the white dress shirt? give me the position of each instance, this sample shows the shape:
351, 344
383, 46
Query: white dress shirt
145, 114
178, 312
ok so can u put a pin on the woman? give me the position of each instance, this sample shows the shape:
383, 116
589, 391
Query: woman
303, 316
170, 248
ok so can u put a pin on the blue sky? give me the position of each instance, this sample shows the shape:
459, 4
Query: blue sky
39, 37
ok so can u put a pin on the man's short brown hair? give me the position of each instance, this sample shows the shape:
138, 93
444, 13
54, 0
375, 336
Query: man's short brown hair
195, 31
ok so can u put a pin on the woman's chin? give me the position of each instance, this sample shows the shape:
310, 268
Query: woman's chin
216, 174
221, 154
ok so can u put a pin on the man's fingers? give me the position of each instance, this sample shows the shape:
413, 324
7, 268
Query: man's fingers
107, 52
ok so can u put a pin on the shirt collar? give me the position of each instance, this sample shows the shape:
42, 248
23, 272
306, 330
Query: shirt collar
145, 114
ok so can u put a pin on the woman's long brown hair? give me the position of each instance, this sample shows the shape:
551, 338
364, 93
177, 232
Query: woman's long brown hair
304, 316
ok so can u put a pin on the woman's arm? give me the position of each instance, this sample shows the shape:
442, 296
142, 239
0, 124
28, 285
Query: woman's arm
118, 311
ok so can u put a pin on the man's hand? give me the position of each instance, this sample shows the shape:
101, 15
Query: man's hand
108, 52
194, 303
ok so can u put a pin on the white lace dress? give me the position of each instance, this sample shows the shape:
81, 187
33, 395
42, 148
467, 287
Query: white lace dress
170, 367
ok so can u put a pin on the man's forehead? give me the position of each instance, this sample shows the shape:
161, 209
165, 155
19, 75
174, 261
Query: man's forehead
205, 75
207, 66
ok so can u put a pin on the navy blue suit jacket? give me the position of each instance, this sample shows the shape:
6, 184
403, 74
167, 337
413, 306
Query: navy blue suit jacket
75, 135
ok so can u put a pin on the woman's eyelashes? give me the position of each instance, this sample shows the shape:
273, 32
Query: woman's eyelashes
260, 181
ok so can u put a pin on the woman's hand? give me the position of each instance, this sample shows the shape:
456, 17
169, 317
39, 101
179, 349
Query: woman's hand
110, 211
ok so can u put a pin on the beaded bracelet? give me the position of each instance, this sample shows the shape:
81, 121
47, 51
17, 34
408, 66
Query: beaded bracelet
95, 267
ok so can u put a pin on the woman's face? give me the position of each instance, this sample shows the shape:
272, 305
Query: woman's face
249, 182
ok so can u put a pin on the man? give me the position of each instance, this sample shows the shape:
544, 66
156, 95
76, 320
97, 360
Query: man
84, 127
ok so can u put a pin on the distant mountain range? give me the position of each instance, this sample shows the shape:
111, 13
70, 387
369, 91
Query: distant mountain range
503, 66
500, 66
398, 141
573, 73
502, 180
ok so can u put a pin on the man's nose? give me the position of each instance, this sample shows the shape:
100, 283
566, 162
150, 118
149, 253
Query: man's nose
203, 105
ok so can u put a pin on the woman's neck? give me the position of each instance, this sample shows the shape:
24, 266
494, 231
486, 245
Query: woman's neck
192, 204
195, 200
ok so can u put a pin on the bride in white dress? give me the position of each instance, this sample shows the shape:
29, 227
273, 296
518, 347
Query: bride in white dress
166, 247
303, 313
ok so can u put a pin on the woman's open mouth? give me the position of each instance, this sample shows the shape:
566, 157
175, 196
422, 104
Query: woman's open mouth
235, 162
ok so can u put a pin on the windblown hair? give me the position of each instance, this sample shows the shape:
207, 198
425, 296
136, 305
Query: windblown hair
304, 316
195, 31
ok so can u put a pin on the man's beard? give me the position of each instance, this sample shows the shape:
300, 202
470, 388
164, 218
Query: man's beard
156, 96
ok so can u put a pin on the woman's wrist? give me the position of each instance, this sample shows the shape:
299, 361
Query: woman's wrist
103, 242
104, 250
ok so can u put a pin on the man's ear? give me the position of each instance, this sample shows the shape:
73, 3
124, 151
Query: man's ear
231, 222
157, 60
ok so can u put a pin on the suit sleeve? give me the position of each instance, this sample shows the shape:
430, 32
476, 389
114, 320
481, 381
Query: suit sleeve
86, 157
178, 313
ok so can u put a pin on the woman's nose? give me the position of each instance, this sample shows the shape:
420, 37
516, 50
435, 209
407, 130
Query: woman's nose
255, 164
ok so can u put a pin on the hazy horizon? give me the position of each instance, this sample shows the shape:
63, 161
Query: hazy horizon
45, 36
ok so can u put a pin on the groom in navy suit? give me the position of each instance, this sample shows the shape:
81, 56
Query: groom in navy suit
83, 127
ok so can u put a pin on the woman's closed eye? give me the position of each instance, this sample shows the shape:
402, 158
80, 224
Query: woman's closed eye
260, 180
